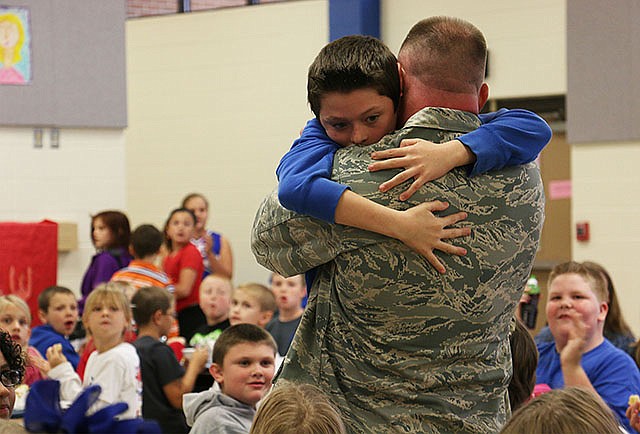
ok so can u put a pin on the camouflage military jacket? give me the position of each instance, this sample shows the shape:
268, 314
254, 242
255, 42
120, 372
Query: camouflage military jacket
397, 346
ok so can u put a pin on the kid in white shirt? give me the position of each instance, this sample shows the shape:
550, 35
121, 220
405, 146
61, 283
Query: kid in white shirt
114, 365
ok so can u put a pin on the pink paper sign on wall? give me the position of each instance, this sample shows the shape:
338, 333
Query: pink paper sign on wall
560, 189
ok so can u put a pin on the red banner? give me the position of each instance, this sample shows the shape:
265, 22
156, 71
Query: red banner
28, 260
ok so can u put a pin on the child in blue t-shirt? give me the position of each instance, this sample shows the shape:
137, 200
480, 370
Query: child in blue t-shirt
354, 90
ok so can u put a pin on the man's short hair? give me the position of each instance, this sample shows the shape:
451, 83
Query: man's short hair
263, 295
445, 53
594, 278
351, 63
146, 240
240, 334
45, 296
147, 301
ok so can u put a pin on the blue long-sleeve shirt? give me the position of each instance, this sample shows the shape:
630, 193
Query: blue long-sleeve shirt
506, 138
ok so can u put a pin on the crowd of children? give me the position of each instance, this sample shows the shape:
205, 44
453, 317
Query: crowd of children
136, 297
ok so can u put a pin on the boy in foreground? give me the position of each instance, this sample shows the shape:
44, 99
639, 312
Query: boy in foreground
243, 367
165, 381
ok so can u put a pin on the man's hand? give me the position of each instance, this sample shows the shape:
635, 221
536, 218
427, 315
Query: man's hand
421, 230
55, 356
422, 160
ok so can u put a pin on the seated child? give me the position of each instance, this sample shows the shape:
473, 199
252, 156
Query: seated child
243, 367
563, 411
524, 357
215, 297
114, 365
164, 380
129, 336
353, 63
580, 355
11, 372
15, 319
146, 241
291, 408
289, 293
58, 311
252, 303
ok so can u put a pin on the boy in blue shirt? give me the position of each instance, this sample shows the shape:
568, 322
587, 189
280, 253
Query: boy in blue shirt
58, 310
354, 89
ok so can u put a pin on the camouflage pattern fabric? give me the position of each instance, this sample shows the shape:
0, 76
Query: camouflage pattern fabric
397, 346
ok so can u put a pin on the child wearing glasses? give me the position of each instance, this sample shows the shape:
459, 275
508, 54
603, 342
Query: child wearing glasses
11, 372
114, 365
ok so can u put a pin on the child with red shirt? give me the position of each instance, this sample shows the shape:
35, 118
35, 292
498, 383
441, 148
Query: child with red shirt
184, 266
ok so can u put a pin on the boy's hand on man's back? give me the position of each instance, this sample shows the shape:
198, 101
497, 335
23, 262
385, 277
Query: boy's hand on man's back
422, 160
55, 356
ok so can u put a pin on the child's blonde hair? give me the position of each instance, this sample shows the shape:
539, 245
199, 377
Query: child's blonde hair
563, 411
263, 295
107, 293
297, 409
14, 300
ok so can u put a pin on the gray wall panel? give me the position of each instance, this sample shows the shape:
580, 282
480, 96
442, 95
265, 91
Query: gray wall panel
78, 64
603, 53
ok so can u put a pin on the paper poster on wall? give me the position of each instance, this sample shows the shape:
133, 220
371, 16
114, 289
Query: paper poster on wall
15, 45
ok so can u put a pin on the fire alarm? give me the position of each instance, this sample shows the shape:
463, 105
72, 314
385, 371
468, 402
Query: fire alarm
582, 231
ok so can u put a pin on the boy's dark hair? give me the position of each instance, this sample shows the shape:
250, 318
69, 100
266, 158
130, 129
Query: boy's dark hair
12, 352
45, 296
240, 334
524, 357
146, 240
166, 224
147, 301
351, 63
118, 223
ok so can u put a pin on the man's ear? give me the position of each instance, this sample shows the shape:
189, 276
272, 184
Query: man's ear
216, 372
401, 74
483, 96
157, 316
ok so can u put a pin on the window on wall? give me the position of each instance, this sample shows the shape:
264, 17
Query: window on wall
143, 8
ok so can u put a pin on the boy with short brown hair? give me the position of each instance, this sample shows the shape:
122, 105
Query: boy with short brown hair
243, 366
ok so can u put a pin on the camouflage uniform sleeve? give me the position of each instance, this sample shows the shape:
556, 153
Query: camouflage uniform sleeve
290, 243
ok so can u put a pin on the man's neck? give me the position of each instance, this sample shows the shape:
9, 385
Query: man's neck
418, 96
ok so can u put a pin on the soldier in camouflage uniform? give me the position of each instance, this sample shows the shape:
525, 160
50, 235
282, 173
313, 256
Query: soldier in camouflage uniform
397, 346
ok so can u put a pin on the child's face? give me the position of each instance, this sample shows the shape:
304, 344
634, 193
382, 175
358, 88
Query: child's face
246, 372
360, 117
62, 314
215, 299
199, 207
14, 321
167, 321
572, 294
106, 321
288, 291
102, 235
245, 309
180, 228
